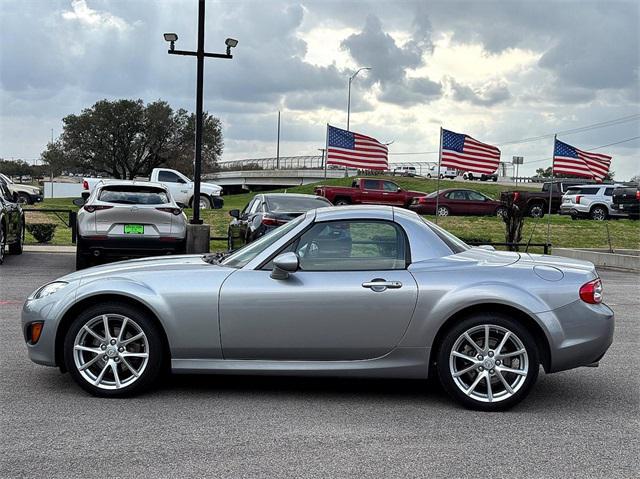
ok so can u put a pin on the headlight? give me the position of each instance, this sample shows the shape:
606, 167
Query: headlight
49, 289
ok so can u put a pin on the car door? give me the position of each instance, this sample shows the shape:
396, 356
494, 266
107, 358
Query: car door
351, 299
477, 204
372, 192
391, 194
457, 202
179, 189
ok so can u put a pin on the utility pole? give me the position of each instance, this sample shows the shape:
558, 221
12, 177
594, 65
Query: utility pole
278, 144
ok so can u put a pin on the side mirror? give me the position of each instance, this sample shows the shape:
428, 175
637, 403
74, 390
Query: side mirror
79, 202
235, 214
399, 189
285, 264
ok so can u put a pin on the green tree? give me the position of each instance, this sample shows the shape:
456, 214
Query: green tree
54, 159
126, 138
13, 168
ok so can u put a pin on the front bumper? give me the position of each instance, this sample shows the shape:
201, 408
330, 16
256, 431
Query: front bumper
580, 334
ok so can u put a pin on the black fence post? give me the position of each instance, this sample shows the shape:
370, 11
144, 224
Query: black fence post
73, 224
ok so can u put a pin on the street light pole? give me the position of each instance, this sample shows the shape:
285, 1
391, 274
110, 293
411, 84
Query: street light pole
349, 93
200, 55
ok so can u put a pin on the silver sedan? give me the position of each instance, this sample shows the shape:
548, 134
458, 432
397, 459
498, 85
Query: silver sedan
350, 291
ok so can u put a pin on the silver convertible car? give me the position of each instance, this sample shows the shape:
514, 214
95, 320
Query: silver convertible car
350, 291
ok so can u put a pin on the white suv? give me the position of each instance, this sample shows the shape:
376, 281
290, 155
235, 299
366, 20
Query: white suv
589, 201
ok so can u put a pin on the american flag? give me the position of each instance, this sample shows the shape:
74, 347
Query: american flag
462, 152
570, 160
347, 148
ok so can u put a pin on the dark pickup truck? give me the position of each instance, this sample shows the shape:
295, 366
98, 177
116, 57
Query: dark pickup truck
536, 203
370, 191
627, 200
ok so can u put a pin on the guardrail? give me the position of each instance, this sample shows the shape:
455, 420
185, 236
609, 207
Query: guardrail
71, 221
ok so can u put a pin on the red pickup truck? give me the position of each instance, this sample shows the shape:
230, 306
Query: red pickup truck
368, 191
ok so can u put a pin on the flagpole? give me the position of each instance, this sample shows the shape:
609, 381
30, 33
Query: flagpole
551, 189
326, 151
438, 184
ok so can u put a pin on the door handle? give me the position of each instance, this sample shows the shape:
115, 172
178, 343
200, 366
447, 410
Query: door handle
381, 285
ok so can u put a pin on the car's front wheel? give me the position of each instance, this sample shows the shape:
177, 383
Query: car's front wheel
488, 362
113, 350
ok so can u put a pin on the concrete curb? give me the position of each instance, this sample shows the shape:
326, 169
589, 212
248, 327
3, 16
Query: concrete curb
49, 249
627, 260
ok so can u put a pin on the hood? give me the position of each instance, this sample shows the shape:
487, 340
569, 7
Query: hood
417, 193
159, 263
24, 188
210, 187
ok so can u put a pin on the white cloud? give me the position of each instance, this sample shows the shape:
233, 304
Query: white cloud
81, 13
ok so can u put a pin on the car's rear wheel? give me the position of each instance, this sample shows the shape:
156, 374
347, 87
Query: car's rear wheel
599, 213
536, 210
83, 259
113, 350
501, 212
18, 246
342, 202
443, 211
488, 362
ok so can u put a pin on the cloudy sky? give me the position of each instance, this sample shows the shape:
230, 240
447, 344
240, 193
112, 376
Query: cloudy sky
499, 71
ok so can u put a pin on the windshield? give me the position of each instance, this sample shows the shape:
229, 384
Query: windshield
453, 242
6, 178
133, 195
294, 204
245, 254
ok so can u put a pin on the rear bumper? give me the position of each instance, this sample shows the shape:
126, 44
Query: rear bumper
423, 209
130, 246
580, 334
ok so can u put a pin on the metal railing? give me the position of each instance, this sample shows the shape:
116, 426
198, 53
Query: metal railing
71, 220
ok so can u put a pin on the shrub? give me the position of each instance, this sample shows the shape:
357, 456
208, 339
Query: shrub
42, 232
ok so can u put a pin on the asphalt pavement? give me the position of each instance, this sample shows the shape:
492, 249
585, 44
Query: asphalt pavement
580, 423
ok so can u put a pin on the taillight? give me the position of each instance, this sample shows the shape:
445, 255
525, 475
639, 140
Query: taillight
271, 221
638, 195
578, 199
174, 211
516, 195
92, 208
85, 185
591, 292
422, 199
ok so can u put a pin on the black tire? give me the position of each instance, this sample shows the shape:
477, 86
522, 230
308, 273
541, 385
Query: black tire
2, 244
501, 212
24, 199
495, 179
203, 199
17, 247
495, 319
83, 260
599, 213
156, 360
342, 202
536, 210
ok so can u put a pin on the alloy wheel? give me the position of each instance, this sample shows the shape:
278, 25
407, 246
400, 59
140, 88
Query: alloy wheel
111, 351
489, 363
204, 203
599, 214
536, 211
443, 211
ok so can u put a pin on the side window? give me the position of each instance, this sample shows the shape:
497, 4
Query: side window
254, 207
359, 245
5, 193
248, 207
389, 186
168, 177
371, 185
589, 191
608, 191
475, 196
457, 195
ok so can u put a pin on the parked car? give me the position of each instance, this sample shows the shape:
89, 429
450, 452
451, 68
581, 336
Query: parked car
368, 191
404, 171
592, 201
536, 203
180, 186
11, 222
457, 202
471, 176
128, 218
443, 172
27, 194
356, 291
626, 199
266, 212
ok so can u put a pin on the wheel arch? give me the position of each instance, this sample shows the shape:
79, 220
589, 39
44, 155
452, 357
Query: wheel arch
595, 205
208, 197
75, 309
521, 316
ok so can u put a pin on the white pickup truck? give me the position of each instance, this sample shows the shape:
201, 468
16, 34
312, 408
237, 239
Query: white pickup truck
180, 186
